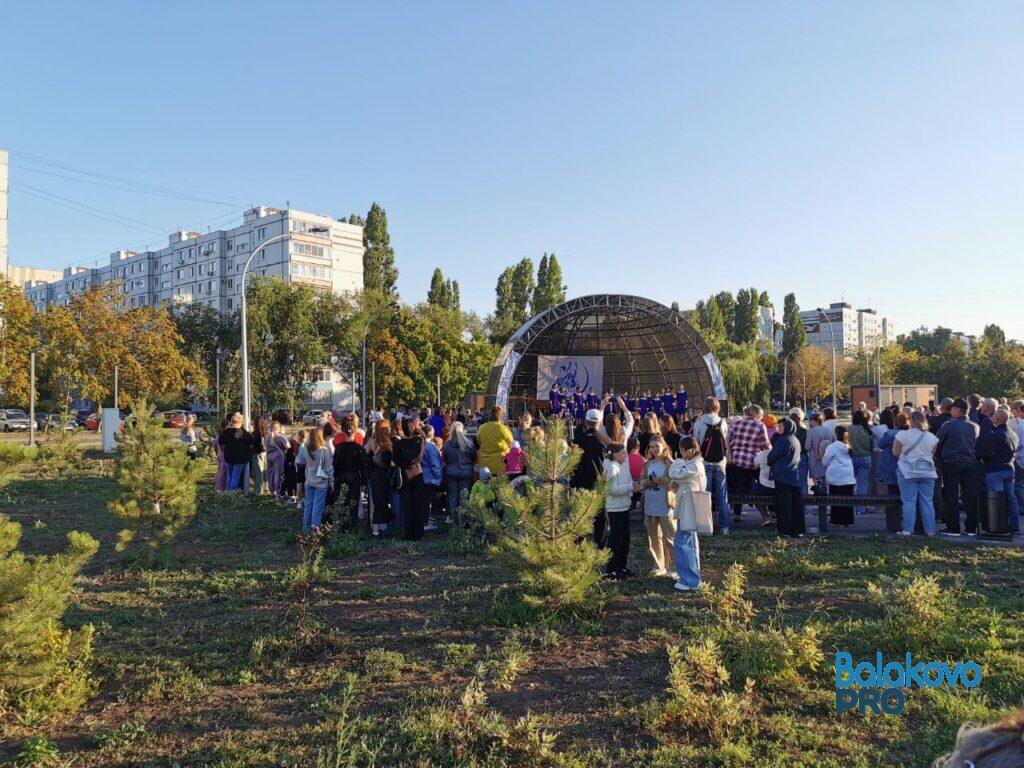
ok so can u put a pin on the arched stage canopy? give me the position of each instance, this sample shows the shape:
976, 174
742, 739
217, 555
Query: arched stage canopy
642, 344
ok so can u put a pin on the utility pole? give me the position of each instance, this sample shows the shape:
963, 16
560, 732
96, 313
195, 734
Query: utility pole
115, 387
32, 399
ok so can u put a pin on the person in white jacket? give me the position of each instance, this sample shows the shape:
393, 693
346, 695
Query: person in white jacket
619, 494
688, 475
839, 474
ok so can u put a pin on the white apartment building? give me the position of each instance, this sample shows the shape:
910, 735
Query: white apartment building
854, 329
207, 268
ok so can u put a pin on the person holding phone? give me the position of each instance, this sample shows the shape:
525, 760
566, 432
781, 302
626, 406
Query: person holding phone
661, 527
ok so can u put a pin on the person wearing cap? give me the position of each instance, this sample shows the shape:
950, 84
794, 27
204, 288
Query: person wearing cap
957, 455
482, 492
494, 440
591, 465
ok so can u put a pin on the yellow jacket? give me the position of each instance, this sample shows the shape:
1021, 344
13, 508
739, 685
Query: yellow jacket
494, 439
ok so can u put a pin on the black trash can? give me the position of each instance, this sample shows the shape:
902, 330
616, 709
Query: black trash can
997, 513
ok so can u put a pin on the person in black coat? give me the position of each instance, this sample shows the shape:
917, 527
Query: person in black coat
349, 472
236, 445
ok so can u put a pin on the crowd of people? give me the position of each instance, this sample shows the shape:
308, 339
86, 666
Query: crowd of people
419, 467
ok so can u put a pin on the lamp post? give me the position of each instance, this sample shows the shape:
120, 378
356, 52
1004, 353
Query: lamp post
245, 330
832, 333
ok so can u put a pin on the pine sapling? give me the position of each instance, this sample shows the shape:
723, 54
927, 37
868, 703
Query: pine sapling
157, 481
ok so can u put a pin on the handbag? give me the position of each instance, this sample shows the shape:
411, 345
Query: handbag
702, 511
395, 479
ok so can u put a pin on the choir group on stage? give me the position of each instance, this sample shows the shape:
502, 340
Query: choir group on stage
574, 404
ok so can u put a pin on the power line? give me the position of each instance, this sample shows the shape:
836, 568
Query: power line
126, 188
84, 207
112, 177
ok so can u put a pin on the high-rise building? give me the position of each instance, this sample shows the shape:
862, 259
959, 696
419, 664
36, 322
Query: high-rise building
854, 329
207, 268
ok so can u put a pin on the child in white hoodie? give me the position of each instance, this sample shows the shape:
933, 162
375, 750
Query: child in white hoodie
688, 474
620, 487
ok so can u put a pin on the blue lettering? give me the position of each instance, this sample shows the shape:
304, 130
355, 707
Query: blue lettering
900, 678
844, 670
859, 674
869, 700
933, 674
975, 679
893, 701
845, 701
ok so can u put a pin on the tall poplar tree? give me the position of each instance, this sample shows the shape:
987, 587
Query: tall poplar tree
550, 291
379, 271
794, 335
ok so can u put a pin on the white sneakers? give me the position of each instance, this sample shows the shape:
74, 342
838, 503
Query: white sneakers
683, 588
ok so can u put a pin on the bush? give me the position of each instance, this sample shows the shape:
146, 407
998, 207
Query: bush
43, 667
919, 615
60, 456
699, 695
157, 481
543, 535
730, 607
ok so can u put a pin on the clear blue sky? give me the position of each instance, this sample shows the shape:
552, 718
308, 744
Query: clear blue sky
857, 150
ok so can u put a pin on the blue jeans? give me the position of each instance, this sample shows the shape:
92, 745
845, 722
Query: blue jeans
862, 475
396, 508
313, 512
1018, 488
917, 494
238, 477
687, 551
1003, 481
716, 484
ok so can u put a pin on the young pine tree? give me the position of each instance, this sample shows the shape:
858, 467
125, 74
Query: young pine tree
43, 667
543, 535
157, 481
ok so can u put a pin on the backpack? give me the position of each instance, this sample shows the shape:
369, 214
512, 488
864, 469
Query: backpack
713, 447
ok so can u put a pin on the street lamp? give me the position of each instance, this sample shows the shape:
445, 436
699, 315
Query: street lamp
245, 330
832, 333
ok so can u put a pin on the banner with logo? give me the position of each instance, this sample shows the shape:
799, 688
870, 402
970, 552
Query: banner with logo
569, 371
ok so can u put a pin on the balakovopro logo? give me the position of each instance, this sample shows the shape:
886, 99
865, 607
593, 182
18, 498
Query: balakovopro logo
878, 686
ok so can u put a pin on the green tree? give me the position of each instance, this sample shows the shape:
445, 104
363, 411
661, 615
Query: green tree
522, 288
157, 482
550, 291
514, 291
438, 293
994, 335
43, 667
205, 334
675, 306
286, 344
542, 536
794, 335
715, 323
17, 322
379, 271
746, 317
727, 306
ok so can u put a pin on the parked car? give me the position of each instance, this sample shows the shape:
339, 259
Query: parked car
14, 419
175, 419
92, 422
81, 415
311, 418
55, 420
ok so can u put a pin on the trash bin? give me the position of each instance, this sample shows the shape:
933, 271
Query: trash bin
997, 513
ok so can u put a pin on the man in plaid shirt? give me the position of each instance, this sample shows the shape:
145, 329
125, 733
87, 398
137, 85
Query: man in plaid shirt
747, 438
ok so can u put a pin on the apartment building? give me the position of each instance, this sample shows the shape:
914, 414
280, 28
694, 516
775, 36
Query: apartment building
207, 268
854, 329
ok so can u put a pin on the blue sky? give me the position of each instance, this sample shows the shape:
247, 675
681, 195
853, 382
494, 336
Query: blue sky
864, 151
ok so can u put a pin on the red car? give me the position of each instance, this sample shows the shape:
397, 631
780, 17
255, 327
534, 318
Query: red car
174, 419
92, 422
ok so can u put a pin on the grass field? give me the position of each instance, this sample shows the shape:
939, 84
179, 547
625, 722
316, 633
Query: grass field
410, 654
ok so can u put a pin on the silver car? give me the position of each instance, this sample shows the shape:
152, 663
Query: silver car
13, 419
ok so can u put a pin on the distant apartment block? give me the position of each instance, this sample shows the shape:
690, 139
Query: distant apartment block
854, 329
21, 275
207, 268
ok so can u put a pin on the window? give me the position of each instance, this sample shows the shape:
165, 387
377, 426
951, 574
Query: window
165, 284
229, 303
324, 374
209, 287
261, 233
229, 245
191, 271
200, 269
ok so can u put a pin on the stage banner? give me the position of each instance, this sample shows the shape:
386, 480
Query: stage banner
505, 380
717, 382
569, 371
